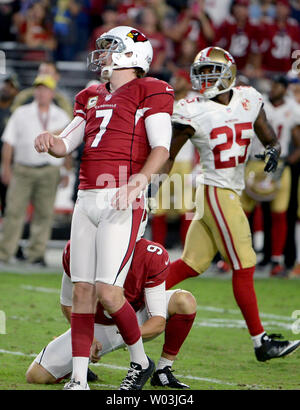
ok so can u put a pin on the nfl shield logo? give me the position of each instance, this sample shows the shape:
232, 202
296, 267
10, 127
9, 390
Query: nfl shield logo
246, 104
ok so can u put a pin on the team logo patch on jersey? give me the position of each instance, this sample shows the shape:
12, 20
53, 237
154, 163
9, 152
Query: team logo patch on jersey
92, 102
246, 104
137, 36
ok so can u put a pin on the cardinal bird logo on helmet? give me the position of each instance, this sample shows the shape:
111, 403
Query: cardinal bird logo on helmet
137, 36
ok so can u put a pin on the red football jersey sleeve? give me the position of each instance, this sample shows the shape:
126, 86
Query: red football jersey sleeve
115, 141
82, 100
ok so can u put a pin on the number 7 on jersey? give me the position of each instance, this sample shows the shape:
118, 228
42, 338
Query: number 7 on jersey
106, 115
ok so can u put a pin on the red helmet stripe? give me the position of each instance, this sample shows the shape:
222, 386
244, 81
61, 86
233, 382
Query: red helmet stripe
209, 51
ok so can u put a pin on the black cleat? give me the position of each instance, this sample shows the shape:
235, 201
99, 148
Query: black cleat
271, 349
165, 378
91, 376
39, 262
136, 376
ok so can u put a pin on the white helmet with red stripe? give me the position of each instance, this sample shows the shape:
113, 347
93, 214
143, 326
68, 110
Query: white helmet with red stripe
127, 47
213, 72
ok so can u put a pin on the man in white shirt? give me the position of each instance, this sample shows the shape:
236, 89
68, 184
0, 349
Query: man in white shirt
33, 177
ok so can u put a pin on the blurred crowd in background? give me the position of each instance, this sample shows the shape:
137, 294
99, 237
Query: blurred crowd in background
53, 37
261, 35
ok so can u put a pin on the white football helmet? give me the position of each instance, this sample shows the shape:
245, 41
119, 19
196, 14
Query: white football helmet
127, 47
222, 72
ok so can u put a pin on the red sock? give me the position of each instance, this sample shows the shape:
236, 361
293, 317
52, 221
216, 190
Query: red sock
258, 219
82, 333
177, 329
159, 228
179, 271
278, 232
126, 321
244, 293
184, 226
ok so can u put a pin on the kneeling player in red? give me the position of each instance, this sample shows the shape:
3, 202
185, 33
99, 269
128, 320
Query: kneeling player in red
172, 312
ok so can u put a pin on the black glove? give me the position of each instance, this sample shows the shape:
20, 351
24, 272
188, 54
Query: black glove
270, 156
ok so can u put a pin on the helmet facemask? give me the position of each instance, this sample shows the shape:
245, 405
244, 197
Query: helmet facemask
216, 82
221, 75
100, 59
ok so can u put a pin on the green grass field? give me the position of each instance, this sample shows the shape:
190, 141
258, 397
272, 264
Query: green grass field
218, 354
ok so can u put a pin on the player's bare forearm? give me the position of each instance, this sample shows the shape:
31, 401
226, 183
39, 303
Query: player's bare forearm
265, 132
153, 327
155, 161
6, 161
180, 134
50, 143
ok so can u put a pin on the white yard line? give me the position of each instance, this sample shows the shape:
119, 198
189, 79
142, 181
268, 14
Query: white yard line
236, 323
114, 367
40, 289
199, 307
278, 320
238, 312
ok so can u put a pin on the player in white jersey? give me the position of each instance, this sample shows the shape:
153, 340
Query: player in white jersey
222, 125
284, 116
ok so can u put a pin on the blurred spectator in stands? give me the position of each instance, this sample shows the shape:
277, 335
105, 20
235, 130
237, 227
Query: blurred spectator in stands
71, 27
281, 37
36, 31
295, 9
60, 99
9, 88
188, 50
128, 11
110, 19
178, 195
149, 24
96, 10
294, 89
192, 24
261, 9
8, 10
218, 10
34, 177
161, 8
241, 37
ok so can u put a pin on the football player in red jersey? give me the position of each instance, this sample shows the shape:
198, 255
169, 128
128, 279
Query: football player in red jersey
240, 35
126, 127
172, 312
281, 38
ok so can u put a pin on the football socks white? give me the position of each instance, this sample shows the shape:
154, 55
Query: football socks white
137, 354
80, 366
257, 339
163, 362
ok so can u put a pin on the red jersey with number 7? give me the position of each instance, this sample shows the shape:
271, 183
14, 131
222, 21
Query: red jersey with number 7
149, 267
223, 134
116, 143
